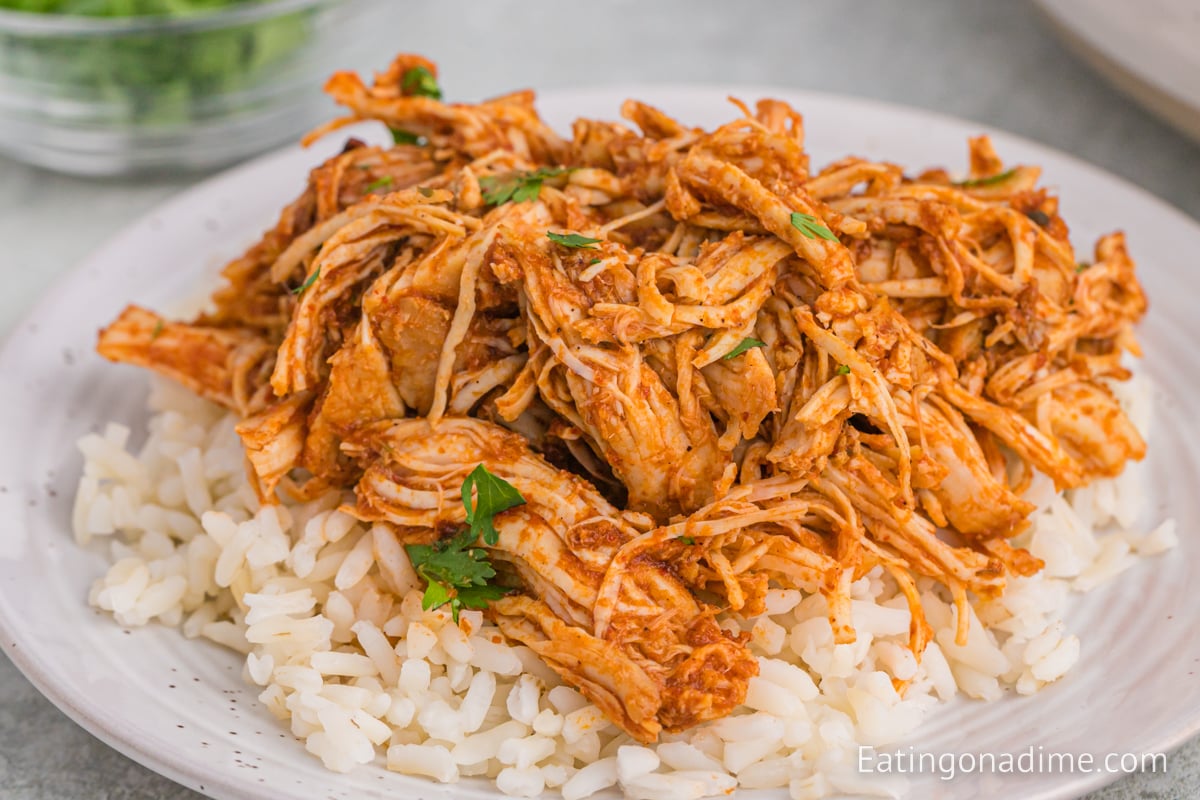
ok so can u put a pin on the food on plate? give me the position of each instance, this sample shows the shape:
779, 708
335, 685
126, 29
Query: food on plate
665, 449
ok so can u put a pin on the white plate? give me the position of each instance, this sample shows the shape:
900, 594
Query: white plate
1149, 49
180, 707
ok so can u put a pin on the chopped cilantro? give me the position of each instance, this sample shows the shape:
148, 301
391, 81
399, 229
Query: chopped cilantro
745, 344
843, 369
518, 187
990, 180
456, 572
420, 82
404, 137
811, 227
493, 495
572, 240
299, 290
687, 539
380, 183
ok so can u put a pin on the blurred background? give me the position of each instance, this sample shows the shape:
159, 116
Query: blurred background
109, 107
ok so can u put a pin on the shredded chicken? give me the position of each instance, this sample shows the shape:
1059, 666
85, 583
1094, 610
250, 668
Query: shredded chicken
747, 375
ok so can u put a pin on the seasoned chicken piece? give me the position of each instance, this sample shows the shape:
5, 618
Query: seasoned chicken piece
274, 440
1020, 434
809, 436
611, 393
259, 291
360, 390
1090, 424
226, 366
601, 672
655, 659
744, 389
974, 501
504, 123
721, 289
723, 182
357, 251
907, 534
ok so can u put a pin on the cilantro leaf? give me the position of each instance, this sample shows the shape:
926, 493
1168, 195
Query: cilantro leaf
573, 240
435, 595
527, 191
404, 137
990, 180
456, 570
309, 281
493, 496
745, 344
420, 82
477, 596
380, 183
498, 189
157, 332
808, 225
454, 561
842, 369
518, 187
687, 539
453, 574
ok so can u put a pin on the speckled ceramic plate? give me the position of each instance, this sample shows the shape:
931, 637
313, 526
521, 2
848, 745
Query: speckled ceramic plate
180, 707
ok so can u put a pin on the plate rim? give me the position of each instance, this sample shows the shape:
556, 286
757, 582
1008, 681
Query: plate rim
189, 771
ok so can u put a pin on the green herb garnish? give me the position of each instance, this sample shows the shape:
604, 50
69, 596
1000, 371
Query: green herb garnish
572, 240
157, 332
404, 137
493, 496
991, 180
386, 180
595, 261
1081, 266
517, 186
419, 82
299, 290
745, 344
425, 191
843, 369
687, 539
456, 572
810, 227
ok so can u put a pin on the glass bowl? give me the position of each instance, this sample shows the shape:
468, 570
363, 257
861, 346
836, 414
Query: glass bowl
124, 95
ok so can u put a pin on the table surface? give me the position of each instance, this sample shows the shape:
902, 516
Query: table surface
993, 62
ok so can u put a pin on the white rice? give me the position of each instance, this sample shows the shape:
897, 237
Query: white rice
328, 613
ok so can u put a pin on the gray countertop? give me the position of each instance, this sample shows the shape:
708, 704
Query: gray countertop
993, 61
